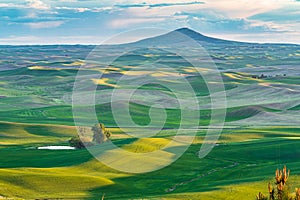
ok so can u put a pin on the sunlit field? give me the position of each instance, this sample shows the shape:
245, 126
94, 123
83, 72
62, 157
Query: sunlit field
261, 131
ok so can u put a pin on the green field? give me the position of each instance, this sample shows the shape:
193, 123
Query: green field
242, 162
261, 131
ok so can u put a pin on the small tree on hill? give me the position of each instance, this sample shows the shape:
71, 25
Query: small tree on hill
76, 142
100, 133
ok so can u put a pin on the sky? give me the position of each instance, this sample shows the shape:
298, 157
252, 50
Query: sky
94, 21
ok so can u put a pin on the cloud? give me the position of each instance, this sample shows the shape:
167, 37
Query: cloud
47, 18
36, 40
69, 1
284, 19
168, 12
123, 23
133, 17
77, 9
279, 15
154, 1
219, 24
33, 4
144, 4
17, 39
46, 24
84, 9
11, 5
37, 4
243, 8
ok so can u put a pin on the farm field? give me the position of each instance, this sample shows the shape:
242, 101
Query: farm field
240, 163
261, 127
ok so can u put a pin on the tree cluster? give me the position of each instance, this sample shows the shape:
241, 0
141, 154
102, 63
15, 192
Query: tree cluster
99, 136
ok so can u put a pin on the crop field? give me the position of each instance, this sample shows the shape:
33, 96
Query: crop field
261, 128
240, 163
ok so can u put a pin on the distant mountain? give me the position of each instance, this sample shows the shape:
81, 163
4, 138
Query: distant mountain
179, 36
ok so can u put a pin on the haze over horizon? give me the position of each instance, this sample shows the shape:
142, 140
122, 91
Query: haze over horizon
93, 21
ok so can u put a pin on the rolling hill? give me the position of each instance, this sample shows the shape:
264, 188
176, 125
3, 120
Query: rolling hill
261, 131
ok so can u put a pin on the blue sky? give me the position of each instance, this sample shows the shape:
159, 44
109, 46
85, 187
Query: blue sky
93, 21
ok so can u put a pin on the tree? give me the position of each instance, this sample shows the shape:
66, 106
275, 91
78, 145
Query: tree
76, 142
100, 133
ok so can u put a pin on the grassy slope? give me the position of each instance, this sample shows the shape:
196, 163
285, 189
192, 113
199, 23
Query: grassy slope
243, 162
29, 173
